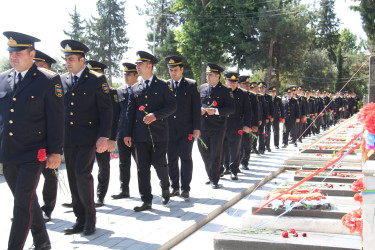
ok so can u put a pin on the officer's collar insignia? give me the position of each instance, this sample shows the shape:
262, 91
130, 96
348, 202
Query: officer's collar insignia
86, 76
67, 48
89, 66
171, 61
12, 42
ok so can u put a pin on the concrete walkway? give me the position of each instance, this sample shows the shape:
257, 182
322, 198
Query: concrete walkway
119, 227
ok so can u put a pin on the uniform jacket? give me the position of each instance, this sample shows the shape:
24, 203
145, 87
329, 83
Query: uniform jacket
88, 109
225, 105
278, 109
264, 107
268, 99
115, 112
123, 98
188, 114
31, 118
311, 106
291, 110
242, 112
157, 99
256, 109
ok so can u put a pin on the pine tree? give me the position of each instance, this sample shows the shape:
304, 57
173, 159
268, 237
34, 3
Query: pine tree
77, 32
366, 8
106, 35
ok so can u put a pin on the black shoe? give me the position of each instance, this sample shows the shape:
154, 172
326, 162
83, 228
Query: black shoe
257, 152
277, 147
175, 192
261, 152
44, 246
233, 176
143, 207
67, 205
295, 144
284, 146
121, 195
238, 170
226, 172
268, 149
300, 140
185, 195
214, 185
99, 202
89, 227
208, 182
244, 167
165, 196
76, 228
46, 217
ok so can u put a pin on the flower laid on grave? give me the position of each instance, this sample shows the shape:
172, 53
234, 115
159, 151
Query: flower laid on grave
358, 197
353, 221
335, 173
300, 199
358, 185
367, 118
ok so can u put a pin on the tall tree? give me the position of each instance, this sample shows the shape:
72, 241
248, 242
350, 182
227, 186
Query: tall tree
76, 24
204, 33
161, 19
366, 9
328, 28
106, 36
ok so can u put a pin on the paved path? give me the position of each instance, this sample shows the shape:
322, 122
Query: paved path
119, 227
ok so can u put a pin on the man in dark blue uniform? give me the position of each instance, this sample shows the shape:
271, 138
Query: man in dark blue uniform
103, 159
302, 104
184, 125
150, 104
265, 127
217, 103
262, 116
88, 116
278, 113
31, 98
244, 82
237, 123
50, 179
125, 152
292, 116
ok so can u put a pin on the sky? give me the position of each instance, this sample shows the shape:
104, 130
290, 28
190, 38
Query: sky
46, 20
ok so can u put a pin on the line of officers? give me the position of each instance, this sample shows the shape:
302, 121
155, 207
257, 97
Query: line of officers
156, 122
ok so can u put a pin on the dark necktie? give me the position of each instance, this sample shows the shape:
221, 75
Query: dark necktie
147, 81
175, 87
75, 80
19, 76
210, 90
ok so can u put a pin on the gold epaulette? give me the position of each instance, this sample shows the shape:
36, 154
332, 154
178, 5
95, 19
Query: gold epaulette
95, 73
47, 71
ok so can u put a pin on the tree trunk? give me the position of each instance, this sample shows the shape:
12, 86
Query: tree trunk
203, 73
269, 70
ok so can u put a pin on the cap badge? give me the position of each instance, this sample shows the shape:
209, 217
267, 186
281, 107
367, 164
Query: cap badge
67, 48
126, 68
208, 68
171, 61
89, 66
11, 42
233, 77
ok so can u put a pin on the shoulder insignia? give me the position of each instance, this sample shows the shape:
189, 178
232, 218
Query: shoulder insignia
105, 88
48, 72
115, 98
58, 90
96, 74
231, 94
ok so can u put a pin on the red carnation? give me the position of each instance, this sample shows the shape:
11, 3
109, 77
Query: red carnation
285, 234
334, 173
270, 116
329, 110
240, 132
358, 197
214, 103
263, 133
296, 235
142, 108
42, 155
304, 235
280, 120
303, 120
190, 137
292, 230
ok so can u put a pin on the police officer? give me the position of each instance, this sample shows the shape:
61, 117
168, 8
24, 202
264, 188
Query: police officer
264, 128
291, 117
244, 82
254, 88
237, 123
217, 103
302, 104
278, 113
30, 97
103, 159
50, 179
267, 128
88, 116
184, 125
125, 152
310, 113
150, 104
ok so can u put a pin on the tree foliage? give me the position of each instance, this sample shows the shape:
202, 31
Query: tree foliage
366, 9
77, 28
